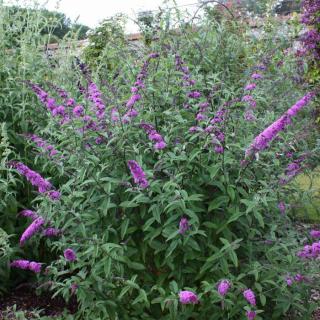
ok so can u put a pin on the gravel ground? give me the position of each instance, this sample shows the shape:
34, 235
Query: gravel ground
27, 301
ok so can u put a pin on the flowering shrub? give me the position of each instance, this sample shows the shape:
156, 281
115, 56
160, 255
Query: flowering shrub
163, 199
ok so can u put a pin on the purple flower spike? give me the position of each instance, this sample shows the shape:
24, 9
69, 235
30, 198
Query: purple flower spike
133, 99
35, 267
51, 232
250, 86
74, 287
315, 234
78, 111
160, 145
218, 149
138, 175
289, 281
256, 76
261, 141
188, 297
250, 296
194, 94
251, 315
223, 287
21, 264
95, 96
26, 265
183, 225
282, 207
54, 195
29, 214
70, 255
33, 228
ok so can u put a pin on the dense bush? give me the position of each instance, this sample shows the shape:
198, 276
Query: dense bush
146, 192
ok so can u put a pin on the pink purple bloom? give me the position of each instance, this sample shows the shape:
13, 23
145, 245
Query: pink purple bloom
262, 140
29, 214
249, 116
194, 94
51, 232
251, 315
315, 234
256, 76
33, 228
154, 136
42, 144
282, 207
70, 255
289, 281
54, 195
218, 149
33, 177
114, 115
95, 96
133, 99
310, 251
250, 86
250, 296
183, 225
223, 287
78, 111
26, 265
188, 297
138, 175
74, 287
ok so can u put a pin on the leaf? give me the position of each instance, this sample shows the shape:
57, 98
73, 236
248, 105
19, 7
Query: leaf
124, 228
218, 202
259, 218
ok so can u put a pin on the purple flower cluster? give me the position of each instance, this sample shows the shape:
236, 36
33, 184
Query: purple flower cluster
315, 234
187, 81
70, 255
138, 85
29, 214
250, 296
311, 18
51, 232
154, 136
310, 251
44, 145
33, 228
223, 287
69, 102
292, 170
248, 98
183, 225
250, 87
216, 131
95, 96
114, 115
261, 142
251, 315
282, 207
50, 103
138, 175
249, 115
188, 297
43, 185
181, 67
78, 111
26, 265
297, 278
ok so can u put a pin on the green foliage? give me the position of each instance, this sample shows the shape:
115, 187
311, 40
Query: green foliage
102, 41
132, 261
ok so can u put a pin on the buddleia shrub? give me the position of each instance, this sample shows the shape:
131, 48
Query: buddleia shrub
161, 192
